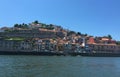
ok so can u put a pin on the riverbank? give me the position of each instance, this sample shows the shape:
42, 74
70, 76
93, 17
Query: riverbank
60, 54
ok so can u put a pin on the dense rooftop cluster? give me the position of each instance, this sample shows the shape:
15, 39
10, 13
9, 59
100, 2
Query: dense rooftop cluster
49, 31
38, 36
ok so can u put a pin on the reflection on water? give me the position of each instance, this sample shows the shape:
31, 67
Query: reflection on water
58, 66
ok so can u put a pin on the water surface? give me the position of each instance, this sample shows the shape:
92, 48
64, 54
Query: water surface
59, 66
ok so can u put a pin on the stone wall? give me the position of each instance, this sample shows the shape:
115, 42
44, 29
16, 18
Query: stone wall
105, 47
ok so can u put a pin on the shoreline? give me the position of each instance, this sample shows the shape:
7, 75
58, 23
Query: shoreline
60, 54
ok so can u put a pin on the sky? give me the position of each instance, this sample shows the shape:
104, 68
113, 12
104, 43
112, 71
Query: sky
94, 17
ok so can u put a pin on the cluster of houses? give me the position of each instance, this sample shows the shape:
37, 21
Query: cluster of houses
103, 44
38, 37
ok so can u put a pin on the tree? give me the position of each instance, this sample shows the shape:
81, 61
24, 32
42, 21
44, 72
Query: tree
78, 33
118, 42
44, 25
23, 24
16, 25
86, 34
109, 36
51, 26
36, 22
20, 26
26, 26
71, 32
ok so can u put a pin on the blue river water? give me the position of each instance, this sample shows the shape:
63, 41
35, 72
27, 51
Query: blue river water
59, 66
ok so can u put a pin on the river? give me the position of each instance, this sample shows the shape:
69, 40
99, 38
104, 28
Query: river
59, 66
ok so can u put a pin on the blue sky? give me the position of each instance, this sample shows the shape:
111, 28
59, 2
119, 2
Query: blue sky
94, 17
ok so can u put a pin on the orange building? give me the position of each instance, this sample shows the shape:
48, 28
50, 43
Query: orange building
91, 40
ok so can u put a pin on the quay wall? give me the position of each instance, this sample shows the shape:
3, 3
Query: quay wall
104, 48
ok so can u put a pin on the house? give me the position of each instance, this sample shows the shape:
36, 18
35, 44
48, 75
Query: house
104, 48
1, 30
106, 40
35, 25
91, 40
